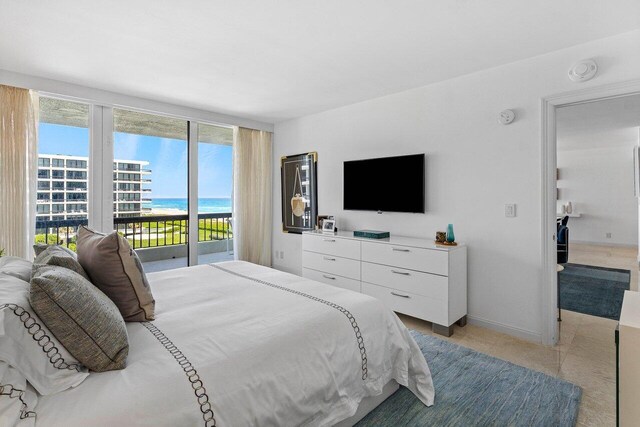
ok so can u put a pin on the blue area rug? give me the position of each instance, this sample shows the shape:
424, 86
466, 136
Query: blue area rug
473, 389
597, 291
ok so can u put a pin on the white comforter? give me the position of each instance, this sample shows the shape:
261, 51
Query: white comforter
266, 356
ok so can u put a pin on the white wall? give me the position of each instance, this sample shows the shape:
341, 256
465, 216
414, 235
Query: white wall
474, 167
599, 184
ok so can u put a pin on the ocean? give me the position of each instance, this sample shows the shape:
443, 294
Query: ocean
205, 205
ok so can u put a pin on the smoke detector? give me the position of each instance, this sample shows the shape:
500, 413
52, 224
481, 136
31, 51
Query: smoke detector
583, 70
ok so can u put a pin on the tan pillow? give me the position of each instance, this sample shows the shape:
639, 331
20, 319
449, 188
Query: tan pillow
60, 256
82, 318
117, 271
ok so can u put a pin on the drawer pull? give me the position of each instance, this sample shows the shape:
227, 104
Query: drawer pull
328, 277
329, 240
404, 273
326, 258
400, 250
400, 295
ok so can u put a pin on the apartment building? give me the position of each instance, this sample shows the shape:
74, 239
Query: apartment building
63, 183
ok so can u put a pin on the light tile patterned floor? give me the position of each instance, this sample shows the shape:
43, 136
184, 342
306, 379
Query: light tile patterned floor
585, 354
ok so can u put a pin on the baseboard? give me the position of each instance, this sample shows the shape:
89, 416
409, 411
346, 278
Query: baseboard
506, 329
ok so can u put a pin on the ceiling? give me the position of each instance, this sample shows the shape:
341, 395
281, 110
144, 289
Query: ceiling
606, 123
275, 60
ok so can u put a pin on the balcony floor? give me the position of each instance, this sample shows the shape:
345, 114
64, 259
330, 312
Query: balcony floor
170, 264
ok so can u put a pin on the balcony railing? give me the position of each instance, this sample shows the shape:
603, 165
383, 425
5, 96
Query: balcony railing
142, 231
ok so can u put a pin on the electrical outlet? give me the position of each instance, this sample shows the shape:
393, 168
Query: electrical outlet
510, 210
281, 254
608, 235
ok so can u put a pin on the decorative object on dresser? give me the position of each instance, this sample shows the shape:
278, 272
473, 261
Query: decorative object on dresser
299, 192
371, 234
321, 219
441, 236
409, 275
328, 226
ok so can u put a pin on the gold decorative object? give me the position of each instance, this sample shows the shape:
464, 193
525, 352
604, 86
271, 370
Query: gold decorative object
441, 236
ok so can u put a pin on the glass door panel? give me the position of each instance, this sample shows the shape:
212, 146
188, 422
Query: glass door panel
63, 171
150, 203
215, 185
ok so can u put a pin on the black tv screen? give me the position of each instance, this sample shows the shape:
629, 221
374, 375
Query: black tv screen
388, 184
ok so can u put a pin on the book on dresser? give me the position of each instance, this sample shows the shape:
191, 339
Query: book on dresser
409, 275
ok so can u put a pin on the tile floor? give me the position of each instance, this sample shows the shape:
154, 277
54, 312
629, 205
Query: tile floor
585, 353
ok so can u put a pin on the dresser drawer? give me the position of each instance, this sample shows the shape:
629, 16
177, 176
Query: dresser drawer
407, 303
427, 260
332, 279
331, 245
331, 264
416, 282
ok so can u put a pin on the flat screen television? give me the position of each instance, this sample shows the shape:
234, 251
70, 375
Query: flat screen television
387, 184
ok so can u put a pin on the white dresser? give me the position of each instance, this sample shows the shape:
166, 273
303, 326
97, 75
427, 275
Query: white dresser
629, 360
411, 276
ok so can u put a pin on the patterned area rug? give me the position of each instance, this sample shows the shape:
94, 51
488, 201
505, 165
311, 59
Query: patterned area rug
597, 291
473, 389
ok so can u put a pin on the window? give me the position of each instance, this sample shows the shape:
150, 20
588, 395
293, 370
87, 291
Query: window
63, 142
78, 164
76, 175
43, 196
74, 185
77, 196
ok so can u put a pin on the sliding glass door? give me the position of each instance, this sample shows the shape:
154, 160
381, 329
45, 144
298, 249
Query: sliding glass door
215, 184
143, 175
63, 171
150, 202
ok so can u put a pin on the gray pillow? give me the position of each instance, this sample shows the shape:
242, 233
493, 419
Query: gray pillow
82, 318
38, 248
16, 267
117, 271
60, 256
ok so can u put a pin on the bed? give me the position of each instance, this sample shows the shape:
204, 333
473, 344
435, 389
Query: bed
236, 344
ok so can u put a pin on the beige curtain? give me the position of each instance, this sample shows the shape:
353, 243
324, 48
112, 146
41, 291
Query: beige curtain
252, 189
18, 170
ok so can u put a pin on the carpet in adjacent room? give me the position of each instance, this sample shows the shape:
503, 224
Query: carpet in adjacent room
597, 291
474, 389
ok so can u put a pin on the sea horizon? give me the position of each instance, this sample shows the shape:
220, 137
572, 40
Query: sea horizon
205, 204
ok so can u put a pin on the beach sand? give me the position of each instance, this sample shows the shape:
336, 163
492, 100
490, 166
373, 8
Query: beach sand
167, 211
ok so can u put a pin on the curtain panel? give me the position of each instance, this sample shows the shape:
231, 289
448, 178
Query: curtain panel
18, 170
252, 195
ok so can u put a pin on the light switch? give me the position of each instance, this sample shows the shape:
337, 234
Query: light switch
510, 210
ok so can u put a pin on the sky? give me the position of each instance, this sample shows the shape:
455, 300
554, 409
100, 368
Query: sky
167, 159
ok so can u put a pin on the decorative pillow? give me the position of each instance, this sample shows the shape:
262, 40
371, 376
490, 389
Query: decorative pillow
117, 271
60, 256
18, 399
16, 267
84, 319
29, 346
38, 248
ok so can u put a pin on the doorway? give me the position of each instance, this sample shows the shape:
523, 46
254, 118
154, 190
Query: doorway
597, 204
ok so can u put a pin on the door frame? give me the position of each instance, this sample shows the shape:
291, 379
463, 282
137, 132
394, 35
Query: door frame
549, 285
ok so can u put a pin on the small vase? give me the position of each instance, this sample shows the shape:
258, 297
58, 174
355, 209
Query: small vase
569, 208
450, 236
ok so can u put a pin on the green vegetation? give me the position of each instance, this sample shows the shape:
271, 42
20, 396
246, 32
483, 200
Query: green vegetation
153, 234
1, 251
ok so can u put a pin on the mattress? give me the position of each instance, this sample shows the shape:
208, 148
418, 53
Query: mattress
236, 344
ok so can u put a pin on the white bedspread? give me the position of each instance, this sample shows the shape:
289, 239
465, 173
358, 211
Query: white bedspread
266, 356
